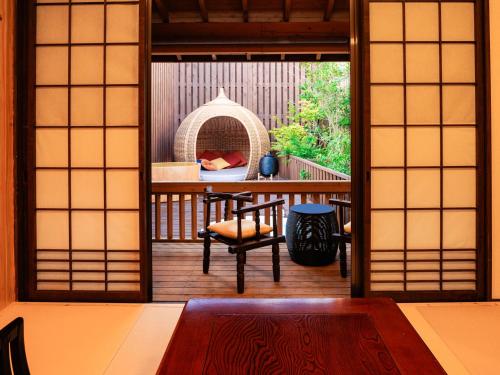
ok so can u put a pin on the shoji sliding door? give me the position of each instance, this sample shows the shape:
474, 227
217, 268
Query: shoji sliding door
86, 119
425, 126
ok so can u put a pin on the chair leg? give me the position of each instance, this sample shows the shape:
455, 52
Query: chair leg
336, 251
343, 259
240, 272
276, 262
206, 254
245, 257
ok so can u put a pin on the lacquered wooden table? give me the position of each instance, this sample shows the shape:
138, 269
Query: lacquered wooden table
296, 336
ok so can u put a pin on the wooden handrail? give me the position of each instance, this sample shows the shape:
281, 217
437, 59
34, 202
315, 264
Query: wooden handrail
275, 187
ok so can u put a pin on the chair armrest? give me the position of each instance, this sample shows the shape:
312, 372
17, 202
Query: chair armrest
217, 197
339, 202
246, 196
257, 207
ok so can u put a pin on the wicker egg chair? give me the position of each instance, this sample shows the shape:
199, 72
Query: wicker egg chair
222, 125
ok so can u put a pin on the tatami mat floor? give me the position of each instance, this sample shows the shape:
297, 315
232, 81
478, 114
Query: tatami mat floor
130, 339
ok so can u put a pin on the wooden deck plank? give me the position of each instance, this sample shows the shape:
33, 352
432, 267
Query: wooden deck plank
178, 276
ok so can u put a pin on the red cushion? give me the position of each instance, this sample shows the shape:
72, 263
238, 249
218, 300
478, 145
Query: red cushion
243, 160
232, 158
235, 158
210, 155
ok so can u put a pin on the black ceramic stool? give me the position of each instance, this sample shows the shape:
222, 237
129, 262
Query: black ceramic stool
309, 234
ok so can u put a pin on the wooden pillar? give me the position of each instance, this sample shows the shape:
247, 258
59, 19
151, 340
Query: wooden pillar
7, 264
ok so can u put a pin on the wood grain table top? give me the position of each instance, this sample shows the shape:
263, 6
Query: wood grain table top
296, 336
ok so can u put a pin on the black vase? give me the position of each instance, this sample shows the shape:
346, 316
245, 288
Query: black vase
268, 165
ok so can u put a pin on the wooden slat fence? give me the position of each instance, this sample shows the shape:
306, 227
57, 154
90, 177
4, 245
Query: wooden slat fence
265, 88
178, 210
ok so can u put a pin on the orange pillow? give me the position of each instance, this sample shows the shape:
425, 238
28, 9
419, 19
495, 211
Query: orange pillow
220, 163
229, 229
214, 165
207, 164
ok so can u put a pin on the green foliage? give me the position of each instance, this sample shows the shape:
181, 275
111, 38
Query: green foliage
318, 126
304, 175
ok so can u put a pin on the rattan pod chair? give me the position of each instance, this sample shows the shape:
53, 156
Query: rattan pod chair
222, 125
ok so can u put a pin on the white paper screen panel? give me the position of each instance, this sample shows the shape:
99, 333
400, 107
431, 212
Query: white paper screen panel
86, 129
423, 130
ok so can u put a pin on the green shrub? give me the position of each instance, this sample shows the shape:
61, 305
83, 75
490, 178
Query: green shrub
318, 126
304, 175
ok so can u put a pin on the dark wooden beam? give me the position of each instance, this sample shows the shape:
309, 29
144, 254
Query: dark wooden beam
252, 32
244, 7
287, 5
203, 10
250, 49
329, 10
162, 7
249, 57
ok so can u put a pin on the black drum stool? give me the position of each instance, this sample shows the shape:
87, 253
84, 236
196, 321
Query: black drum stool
309, 234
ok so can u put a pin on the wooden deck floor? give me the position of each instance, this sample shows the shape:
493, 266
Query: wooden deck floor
178, 276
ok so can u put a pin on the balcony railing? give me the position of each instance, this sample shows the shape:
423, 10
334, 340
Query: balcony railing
178, 210
291, 167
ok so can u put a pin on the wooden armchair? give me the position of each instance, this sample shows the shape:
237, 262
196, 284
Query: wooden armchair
241, 235
344, 235
12, 351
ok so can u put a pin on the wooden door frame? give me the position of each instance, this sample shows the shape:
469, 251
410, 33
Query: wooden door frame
358, 144
357, 159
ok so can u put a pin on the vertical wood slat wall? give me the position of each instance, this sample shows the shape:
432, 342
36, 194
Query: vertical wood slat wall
86, 128
424, 123
265, 88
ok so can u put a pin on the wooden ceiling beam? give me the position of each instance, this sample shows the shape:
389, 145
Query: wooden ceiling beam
287, 6
250, 49
203, 10
244, 7
329, 10
162, 6
251, 32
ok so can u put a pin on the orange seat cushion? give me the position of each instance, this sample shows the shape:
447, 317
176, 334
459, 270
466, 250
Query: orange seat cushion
347, 227
229, 229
